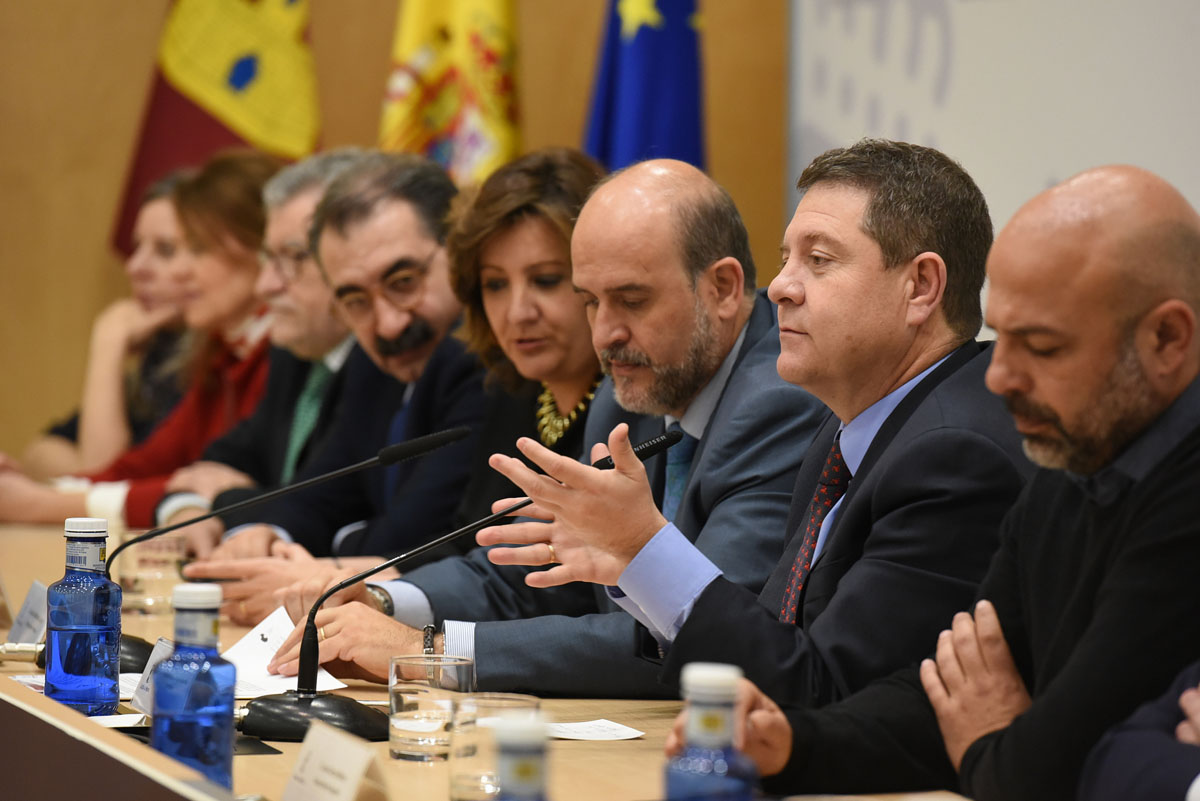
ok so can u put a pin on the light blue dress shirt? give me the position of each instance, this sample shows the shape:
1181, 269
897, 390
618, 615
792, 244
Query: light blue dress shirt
660, 585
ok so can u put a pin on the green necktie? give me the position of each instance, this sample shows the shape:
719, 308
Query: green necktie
304, 419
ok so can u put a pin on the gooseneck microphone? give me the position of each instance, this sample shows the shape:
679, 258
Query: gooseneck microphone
392, 454
286, 716
135, 651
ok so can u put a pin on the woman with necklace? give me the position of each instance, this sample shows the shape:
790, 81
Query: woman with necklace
510, 266
510, 261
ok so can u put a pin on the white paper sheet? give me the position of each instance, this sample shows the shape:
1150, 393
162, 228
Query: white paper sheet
37, 683
593, 730
252, 653
122, 721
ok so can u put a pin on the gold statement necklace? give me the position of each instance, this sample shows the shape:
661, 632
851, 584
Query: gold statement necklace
552, 425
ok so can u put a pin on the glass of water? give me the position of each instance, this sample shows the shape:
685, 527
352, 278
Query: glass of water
149, 571
424, 690
473, 752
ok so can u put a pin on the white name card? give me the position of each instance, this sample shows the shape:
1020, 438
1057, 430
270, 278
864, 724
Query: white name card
143, 696
335, 766
30, 625
5, 612
593, 730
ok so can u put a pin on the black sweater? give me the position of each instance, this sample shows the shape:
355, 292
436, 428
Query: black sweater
1099, 606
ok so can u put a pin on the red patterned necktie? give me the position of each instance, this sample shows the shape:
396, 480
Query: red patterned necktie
831, 486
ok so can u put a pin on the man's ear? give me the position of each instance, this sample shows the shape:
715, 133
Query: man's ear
727, 284
925, 287
1165, 339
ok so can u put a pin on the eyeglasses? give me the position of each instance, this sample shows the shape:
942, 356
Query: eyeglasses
288, 262
401, 286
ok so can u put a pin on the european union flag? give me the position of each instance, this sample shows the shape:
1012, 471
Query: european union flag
647, 101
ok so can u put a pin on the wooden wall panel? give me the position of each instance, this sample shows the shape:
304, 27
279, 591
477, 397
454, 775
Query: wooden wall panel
73, 78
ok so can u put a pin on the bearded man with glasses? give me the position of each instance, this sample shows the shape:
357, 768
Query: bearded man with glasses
376, 239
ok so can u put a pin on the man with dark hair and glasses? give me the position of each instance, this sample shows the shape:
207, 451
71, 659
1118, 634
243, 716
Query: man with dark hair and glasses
665, 270
375, 247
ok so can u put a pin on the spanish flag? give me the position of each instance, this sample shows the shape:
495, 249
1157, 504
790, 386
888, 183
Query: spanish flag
451, 95
229, 72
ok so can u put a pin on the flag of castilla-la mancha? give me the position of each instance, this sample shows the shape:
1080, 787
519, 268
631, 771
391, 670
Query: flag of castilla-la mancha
228, 73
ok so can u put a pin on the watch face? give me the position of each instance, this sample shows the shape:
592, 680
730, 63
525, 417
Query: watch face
382, 600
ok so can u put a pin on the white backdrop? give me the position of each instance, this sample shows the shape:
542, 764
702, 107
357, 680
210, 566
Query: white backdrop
1023, 93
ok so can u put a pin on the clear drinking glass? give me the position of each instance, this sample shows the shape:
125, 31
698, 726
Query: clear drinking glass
149, 571
424, 690
473, 752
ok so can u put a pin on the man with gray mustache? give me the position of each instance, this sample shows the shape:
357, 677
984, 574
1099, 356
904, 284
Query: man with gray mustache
377, 236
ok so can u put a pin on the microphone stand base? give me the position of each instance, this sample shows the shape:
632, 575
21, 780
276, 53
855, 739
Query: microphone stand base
286, 717
135, 653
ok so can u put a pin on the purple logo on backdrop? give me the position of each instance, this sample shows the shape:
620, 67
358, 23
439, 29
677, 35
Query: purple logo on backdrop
911, 37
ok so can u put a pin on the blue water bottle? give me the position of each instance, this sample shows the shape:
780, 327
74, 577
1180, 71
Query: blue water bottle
192, 717
709, 767
83, 624
520, 758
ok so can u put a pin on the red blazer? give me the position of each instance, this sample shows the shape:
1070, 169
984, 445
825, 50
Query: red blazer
202, 414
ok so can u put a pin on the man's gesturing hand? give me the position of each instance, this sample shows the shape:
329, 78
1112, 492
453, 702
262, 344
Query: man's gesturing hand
596, 520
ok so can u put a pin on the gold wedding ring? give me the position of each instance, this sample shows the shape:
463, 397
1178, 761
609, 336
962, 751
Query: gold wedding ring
553, 555
320, 634
242, 609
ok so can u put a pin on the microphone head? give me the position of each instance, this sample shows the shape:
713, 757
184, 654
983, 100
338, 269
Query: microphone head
656, 445
421, 445
669, 439
645, 450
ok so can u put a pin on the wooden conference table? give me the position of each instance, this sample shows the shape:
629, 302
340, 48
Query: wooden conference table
37, 731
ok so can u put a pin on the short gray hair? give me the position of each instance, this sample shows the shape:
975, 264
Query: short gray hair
314, 172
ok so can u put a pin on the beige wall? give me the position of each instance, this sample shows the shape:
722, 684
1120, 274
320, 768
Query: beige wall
1024, 93
73, 78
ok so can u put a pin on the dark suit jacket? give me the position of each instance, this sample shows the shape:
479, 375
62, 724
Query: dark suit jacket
1094, 585
910, 543
1141, 759
258, 444
573, 640
420, 507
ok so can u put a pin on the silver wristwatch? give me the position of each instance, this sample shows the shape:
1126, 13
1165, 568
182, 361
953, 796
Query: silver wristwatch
382, 600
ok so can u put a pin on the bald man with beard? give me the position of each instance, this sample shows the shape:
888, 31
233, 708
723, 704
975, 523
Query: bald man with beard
1090, 606
661, 256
